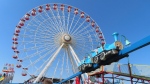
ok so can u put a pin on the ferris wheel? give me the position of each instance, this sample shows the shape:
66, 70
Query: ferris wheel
51, 39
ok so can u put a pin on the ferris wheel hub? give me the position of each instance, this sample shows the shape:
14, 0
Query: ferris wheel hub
67, 38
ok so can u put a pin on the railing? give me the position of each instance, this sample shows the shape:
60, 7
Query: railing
139, 70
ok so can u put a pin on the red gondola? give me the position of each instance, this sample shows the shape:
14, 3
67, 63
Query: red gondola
69, 8
102, 42
15, 42
18, 65
14, 48
100, 33
82, 15
16, 51
55, 7
62, 7
15, 39
100, 36
18, 31
47, 7
25, 68
87, 18
15, 56
40, 9
76, 11
18, 26
97, 29
27, 16
33, 12
24, 74
20, 60
21, 23
16, 34
93, 23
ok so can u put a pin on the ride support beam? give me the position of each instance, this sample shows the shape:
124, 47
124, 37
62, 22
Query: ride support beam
73, 76
113, 78
103, 80
139, 44
130, 72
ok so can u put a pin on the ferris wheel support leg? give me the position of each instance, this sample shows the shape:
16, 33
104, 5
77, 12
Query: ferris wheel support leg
72, 63
77, 62
74, 58
72, 51
74, 54
48, 64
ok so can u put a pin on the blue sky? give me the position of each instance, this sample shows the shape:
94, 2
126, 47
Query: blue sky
128, 17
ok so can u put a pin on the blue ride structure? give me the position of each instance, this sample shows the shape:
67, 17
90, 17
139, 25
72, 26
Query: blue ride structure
102, 53
121, 54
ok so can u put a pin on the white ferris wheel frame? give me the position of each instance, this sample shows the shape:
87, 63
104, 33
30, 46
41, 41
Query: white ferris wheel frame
57, 25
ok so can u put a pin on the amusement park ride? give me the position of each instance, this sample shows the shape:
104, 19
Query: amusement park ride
50, 29
8, 73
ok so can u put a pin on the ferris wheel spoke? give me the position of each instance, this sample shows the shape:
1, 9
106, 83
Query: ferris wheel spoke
50, 19
85, 45
40, 28
61, 24
40, 68
67, 65
83, 48
68, 22
55, 18
63, 58
48, 64
50, 25
78, 27
64, 22
43, 18
84, 32
75, 25
80, 36
32, 36
46, 24
54, 28
36, 53
39, 59
55, 69
34, 47
87, 38
37, 43
71, 24
44, 36
88, 32
88, 25
57, 26
47, 27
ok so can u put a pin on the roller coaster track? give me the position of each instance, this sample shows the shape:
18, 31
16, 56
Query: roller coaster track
123, 53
